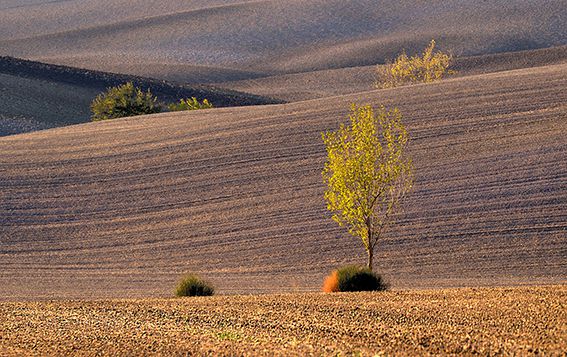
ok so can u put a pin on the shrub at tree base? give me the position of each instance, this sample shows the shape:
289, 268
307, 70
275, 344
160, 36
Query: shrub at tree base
123, 101
331, 283
192, 285
353, 278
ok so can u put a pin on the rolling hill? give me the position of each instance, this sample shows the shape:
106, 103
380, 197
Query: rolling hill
348, 80
219, 40
291, 50
38, 96
121, 208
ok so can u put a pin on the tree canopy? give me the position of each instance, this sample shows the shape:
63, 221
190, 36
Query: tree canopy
367, 172
123, 101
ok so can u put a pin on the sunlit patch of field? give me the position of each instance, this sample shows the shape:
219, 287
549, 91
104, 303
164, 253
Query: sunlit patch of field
470, 321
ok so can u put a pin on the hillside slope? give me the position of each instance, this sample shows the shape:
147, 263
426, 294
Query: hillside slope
333, 82
37, 95
121, 208
234, 39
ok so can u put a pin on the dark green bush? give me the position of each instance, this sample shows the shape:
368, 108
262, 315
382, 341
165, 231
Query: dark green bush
123, 101
354, 278
189, 104
192, 285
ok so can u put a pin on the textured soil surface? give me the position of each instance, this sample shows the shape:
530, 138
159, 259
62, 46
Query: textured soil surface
99, 220
121, 208
335, 82
290, 50
218, 40
37, 96
505, 321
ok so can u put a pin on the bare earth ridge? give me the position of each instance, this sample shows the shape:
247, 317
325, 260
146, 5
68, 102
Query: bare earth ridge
217, 40
38, 96
335, 82
121, 208
511, 321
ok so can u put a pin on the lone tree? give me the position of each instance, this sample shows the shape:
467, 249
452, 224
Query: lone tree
367, 172
123, 101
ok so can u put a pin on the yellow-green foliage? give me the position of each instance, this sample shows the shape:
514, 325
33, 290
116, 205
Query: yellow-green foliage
123, 101
367, 172
430, 66
190, 104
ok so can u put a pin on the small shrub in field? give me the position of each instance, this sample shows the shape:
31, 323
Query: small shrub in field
190, 104
123, 101
192, 285
331, 283
353, 278
430, 66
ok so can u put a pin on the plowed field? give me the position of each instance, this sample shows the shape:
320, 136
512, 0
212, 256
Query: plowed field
463, 321
121, 208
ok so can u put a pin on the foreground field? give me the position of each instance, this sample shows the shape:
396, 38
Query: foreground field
470, 321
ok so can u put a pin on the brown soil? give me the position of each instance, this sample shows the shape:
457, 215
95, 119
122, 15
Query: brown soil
121, 208
335, 82
210, 40
462, 321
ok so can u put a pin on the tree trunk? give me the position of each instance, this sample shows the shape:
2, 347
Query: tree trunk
370, 247
370, 258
